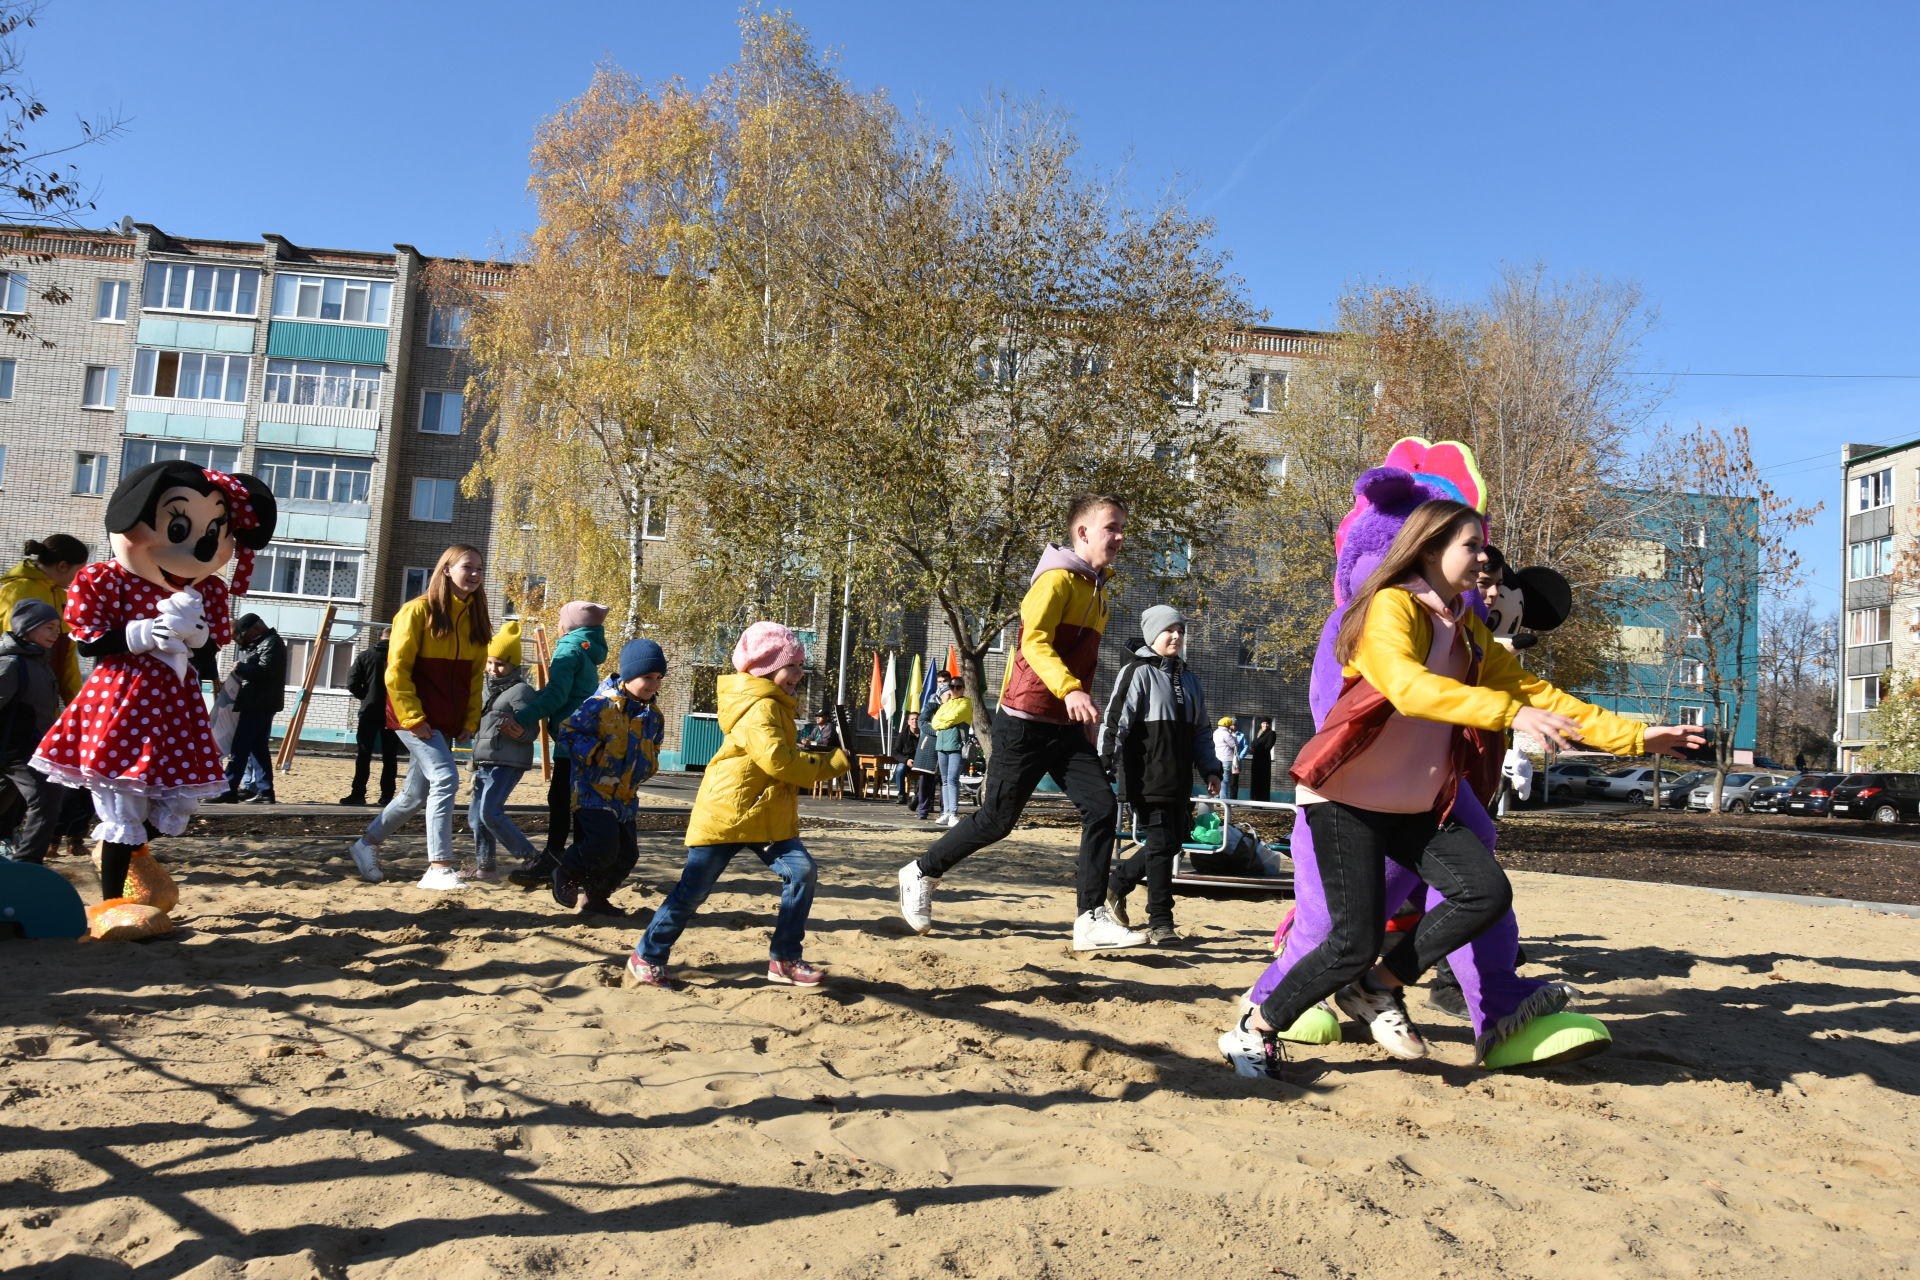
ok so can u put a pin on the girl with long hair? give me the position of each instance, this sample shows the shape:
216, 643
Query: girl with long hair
436, 669
1379, 778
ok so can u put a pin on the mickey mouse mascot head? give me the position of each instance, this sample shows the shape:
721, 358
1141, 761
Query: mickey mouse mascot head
152, 619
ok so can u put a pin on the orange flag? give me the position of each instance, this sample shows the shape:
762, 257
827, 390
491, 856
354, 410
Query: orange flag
953, 661
873, 689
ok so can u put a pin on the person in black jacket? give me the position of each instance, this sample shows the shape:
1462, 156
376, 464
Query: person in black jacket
1153, 739
29, 703
1260, 763
367, 681
262, 672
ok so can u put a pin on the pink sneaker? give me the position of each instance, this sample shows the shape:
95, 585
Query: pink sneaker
477, 875
793, 973
641, 973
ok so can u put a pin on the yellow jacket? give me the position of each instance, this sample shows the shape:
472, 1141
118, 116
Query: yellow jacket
749, 793
28, 581
1392, 656
435, 679
956, 710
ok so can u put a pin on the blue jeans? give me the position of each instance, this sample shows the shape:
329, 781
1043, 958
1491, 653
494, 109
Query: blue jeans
486, 815
950, 762
432, 779
788, 858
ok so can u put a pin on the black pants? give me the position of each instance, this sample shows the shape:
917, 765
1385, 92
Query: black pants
1260, 780
1351, 846
924, 785
372, 732
559, 808
602, 854
35, 818
252, 737
1163, 826
1025, 751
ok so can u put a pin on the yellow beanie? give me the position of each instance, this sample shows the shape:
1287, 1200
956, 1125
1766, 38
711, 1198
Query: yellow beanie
506, 644
1226, 722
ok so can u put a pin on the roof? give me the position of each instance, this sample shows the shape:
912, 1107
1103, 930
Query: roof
1875, 453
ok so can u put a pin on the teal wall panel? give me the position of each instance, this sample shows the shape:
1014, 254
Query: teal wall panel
298, 526
183, 426
350, 344
307, 436
196, 335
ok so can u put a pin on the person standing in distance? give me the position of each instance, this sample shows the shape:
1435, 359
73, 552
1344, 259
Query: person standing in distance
1044, 726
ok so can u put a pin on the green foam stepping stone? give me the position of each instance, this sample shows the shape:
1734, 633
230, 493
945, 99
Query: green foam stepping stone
39, 902
1547, 1039
1316, 1026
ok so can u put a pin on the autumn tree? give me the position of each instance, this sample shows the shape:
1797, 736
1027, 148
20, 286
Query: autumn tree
1799, 671
1896, 723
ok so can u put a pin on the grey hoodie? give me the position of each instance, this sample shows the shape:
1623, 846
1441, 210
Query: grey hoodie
29, 696
505, 696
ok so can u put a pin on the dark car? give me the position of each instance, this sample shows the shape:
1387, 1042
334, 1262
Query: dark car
1674, 795
1772, 799
1812, 795
1883, 797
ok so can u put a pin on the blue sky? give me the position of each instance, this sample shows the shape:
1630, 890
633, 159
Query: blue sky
1750, 165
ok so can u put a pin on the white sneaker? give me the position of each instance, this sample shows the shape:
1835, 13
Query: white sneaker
367, 858
916, 898
1095, 930
949, 819
441, 875
1385, 1013
1257, 1055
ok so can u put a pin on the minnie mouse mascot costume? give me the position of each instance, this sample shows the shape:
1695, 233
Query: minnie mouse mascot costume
152, 618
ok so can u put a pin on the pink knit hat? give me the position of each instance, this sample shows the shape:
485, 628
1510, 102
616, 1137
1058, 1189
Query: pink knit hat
765, 647
575, 614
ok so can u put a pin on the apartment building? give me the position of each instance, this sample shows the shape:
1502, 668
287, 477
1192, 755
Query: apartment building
1879, 489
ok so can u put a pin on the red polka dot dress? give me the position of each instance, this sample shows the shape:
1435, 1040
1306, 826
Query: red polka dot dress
136, 726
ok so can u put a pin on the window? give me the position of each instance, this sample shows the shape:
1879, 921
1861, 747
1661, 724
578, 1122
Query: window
1695, 535
1870, 559
138, 453
1693, 629
654, 519
440, 412
110, 301
1354, 398
1870, 626
998, 367
315, 477
655, 597
1693, 673
336, 664
100, 387
432, 500
331, 298
1266, 390
192, 286
90, 474
13, 285
1875, 489
1088, 364
1696, 716
1186, 386
413, 582
1277, 469
320, 572
339, 386
6, 379
447, 326
526, 593
1249, 656
189, 375
3, 466
1863, 693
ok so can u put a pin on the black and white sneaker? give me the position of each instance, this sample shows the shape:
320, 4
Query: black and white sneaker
1385, 1015
1255, 1054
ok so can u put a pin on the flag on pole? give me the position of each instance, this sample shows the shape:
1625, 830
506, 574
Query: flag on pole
890, 688
926, 686
873, 689
953, 661
912, 685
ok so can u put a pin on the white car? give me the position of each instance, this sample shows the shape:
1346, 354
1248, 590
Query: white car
1736, 793
1633, 784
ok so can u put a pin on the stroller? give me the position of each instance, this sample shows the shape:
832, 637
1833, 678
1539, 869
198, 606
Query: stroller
1219, 855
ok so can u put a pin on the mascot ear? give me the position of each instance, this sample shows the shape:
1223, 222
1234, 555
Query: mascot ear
266, 513
1384, 487
138, 492
1545, 599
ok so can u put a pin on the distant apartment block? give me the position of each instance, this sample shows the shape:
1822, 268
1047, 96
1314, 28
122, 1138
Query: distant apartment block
1879, 489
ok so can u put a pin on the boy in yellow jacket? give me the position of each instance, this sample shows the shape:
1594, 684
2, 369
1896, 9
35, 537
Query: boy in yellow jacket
749, 800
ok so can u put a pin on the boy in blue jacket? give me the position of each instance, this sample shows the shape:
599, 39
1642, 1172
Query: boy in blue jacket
613, 741
571, 678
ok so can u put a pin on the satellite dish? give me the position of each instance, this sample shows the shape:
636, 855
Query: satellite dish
126, 224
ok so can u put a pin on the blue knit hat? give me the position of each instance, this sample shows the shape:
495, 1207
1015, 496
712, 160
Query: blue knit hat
641, 657
31, 613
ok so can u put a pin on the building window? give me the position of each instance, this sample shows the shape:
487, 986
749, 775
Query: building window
190, 286
1088, 364
1693, 630
1873, 490
440, 412
447, 326
315, 477
1870, 626
189, 375
413, 583
1266, 390
339, 386
1693, 673
6, 379
1695, 535
336, 664
100, 387
1863, 693
653, 521
3, 466
998, 367
13, 285
1248, 656
524, 594
1696, 716
1870, 559
321, 573
331, 298
138, 453
1186, 386
432, 500
90, 474
110, 301
1278, 468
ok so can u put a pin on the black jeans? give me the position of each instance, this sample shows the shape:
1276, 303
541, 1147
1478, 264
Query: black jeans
38, 814
1351, 846
1163, 827
923, 785
372, 732
559, 809
602, 854
1025, 751
252, 735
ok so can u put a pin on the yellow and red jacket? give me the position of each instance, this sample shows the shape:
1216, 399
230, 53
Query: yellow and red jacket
1062, 619
433, 678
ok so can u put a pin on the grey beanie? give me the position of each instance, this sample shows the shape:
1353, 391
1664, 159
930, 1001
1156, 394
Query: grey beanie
1158, 618
29, 614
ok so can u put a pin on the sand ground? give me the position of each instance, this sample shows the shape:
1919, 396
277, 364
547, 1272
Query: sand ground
319, 1077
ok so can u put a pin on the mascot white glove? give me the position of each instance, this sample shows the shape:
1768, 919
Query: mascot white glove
146, 635
186, 612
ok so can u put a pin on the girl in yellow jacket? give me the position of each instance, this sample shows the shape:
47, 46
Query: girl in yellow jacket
45, 573
1378, 780
436, 669
749, 800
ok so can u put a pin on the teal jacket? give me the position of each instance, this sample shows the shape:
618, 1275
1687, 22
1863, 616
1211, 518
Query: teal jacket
572, 677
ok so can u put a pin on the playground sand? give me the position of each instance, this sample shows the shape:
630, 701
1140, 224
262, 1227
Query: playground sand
319, 1077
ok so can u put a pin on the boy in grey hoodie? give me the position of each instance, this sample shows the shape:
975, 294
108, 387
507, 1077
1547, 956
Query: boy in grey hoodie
29, 704
501, 757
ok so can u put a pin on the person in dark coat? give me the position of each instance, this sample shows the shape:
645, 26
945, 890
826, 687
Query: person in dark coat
29, 704
367, 681
262, 672
1260, 763
916, 780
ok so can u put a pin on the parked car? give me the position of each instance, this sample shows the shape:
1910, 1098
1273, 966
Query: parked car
1812, 796
1675, 796
1736, 793
1571, 775
1883, 797
1771, 799
1631, 784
